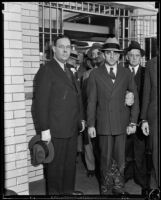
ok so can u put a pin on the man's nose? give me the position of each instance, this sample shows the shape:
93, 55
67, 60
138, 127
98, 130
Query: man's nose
111, 54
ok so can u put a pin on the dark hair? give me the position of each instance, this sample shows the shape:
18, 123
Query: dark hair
60, 37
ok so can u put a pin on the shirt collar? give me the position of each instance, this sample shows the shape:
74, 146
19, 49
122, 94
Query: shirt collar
135, 68
114, 68
60, 63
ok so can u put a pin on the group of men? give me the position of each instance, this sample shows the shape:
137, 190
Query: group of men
124, 128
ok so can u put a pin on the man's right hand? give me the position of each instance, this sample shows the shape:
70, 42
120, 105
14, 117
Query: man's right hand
129, 98
46, 136
145, 128
92, 132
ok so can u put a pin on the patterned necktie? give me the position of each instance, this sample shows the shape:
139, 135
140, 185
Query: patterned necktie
112, 75
133, 71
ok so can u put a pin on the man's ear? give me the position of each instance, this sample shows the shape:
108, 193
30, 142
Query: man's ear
127, 57
53, 48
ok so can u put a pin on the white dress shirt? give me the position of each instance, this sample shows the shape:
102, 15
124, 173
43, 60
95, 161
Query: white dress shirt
135, 68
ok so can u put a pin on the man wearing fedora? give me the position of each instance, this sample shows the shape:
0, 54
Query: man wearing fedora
58, 112
109, 117
135, 144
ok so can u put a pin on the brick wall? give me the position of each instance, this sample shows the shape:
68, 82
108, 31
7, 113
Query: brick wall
31, 60
21, 62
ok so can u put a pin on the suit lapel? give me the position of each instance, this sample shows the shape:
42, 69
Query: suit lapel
138, 76
119, 76
57, 69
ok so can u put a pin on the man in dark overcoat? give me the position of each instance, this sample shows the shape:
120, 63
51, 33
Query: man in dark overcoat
135, 144
108, 115
58, 112
149, 115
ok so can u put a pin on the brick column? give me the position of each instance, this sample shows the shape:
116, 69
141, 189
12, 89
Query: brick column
31, 62
15, 138
21, 62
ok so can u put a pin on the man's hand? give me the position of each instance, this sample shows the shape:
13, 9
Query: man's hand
92, 132
145, 128
83, 125
46, 136
131, 129
129, 98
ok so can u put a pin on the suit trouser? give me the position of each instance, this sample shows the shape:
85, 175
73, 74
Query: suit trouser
89, 155
153, 148
60, 173
135, 158
112, 147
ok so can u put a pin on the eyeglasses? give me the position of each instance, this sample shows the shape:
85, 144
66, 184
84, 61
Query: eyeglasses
68, 47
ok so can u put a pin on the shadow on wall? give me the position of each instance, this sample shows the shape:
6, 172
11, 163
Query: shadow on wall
8, 192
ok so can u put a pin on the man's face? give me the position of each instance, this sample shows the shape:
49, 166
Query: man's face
100, 58
62, 49
111, 57
97, 56
134, 57
72, 61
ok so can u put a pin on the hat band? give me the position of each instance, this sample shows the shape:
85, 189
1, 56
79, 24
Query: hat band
44, 147
111, 45
73, 55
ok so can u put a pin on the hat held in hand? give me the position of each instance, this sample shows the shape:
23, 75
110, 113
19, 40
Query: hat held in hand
41, 152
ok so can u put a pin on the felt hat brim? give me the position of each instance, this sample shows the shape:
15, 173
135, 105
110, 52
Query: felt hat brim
36, 146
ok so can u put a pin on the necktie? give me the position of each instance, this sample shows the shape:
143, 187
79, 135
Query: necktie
112, 75
133, 71
68, 73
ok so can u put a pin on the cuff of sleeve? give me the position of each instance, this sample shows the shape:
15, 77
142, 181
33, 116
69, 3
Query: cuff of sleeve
132, 124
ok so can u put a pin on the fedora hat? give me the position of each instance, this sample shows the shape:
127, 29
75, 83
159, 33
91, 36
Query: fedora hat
93, 47
74, 54
111, 44
134, 45
40, 151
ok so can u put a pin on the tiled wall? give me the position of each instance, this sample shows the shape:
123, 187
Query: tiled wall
21, 62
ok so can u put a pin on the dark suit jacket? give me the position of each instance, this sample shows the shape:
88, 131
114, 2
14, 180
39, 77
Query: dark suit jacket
139, 80
149, 107
106, 101
57, 101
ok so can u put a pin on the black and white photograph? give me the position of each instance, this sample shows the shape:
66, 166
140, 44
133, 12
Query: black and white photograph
81, 102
